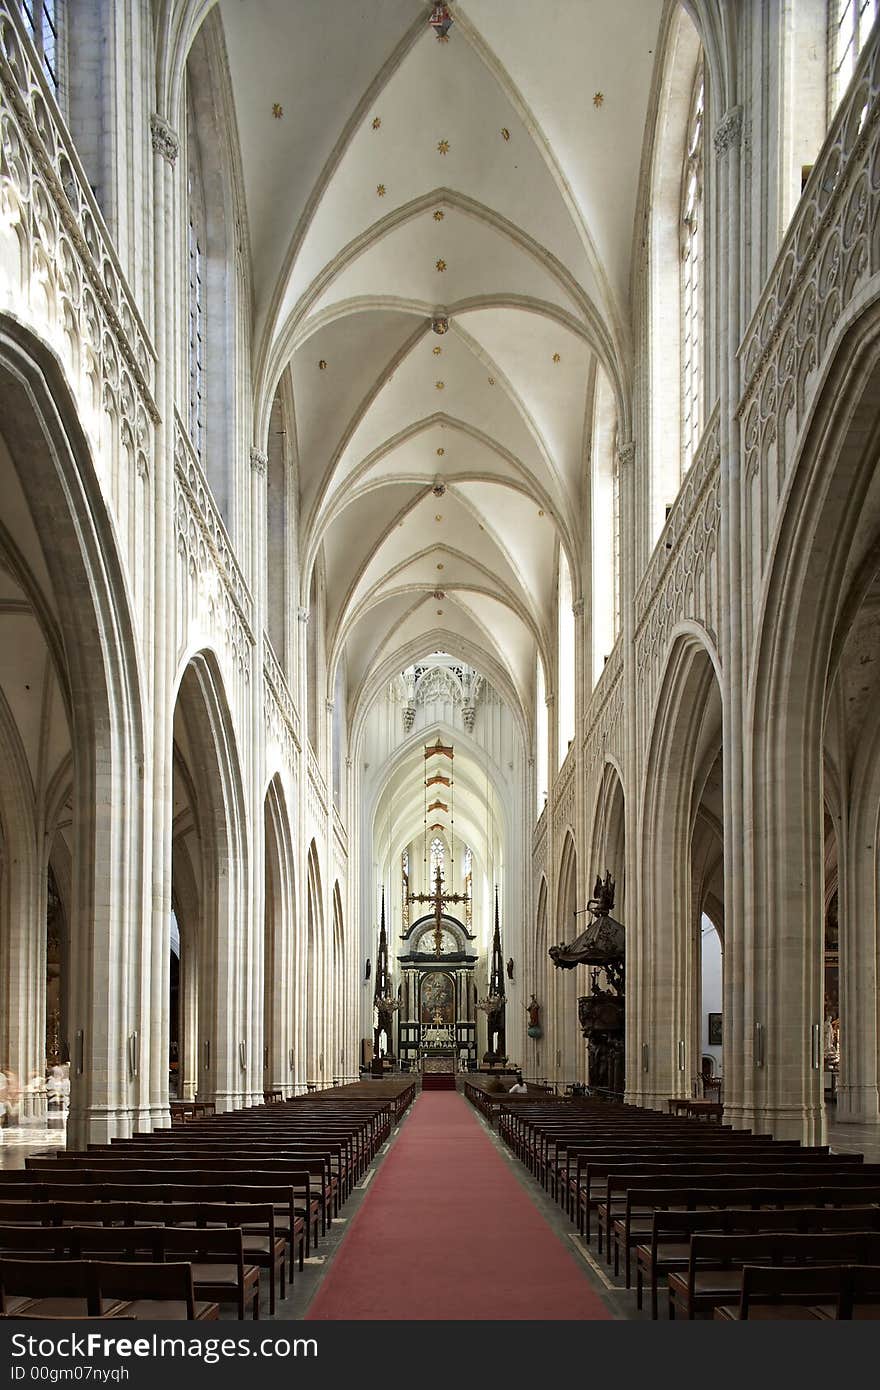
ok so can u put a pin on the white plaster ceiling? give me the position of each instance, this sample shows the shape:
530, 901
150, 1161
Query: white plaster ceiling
528, 211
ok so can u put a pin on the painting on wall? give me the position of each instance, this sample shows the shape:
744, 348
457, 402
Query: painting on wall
437, 998
714, 1030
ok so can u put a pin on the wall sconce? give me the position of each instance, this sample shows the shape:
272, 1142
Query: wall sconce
290, 1059
645, 1055
133, 1050
265, 1058
242, 1055
681, 1054
759, 1044
207, 1048
816, 1045
79, 1052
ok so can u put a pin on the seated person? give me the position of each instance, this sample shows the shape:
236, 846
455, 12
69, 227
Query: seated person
519, 1087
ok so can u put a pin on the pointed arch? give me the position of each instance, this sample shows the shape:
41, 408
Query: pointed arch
337, 976
83, 611
686, 726
204, 732
314, 972
809, 603
279, 953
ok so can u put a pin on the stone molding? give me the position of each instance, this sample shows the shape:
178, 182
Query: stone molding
728, 131
164, 139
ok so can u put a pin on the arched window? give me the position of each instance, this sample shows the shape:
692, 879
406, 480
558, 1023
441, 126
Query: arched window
41, 21
542, 740
692, 299
565, 661
438, 859
605, 528
849, 24
196, 242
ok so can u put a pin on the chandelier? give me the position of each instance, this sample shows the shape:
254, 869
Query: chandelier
492, 1004
387, 1004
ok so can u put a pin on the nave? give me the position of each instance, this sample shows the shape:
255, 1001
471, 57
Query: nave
384, 1202
448, 1231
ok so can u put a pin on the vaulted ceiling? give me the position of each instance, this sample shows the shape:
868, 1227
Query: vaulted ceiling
488, 180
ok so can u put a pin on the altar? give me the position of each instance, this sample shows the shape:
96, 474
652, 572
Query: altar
437, 1038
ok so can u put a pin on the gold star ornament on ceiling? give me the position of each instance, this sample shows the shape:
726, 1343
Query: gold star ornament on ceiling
441, 265
439, 215
277, 110
380, 190
377, 121
598, 98
443, 146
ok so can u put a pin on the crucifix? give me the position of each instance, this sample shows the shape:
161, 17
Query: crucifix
439, 899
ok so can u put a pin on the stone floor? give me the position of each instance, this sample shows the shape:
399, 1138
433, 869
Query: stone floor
19, 1140
863, 1139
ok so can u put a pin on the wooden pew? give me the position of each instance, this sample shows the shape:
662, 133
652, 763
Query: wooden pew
715, 1264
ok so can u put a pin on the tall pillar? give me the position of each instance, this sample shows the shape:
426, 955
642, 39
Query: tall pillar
166, 148
258, 1077
738, 1010
858, 1092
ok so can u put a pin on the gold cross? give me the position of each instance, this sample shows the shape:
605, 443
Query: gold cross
439, 899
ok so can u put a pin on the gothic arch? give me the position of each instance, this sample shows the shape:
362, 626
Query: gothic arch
807, 610
203, 726
337, 974
686, 731
279, 954
608, 837
569, 1057
82, 611
314, 997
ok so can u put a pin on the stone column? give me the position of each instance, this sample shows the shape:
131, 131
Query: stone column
738, 1012
302, 1003
858, 1092
23, 957
165, 147
258, 1077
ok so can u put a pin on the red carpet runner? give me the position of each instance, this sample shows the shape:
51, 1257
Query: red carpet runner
446, 1231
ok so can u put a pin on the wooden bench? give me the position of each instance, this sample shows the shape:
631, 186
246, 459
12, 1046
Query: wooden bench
99, 1288
669, 1247
627, 1222
715, 1263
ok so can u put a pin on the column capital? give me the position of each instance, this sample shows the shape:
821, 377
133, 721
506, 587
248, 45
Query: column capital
728, 131
259, 460
164, 138
302, 615
626, 453
577, 608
